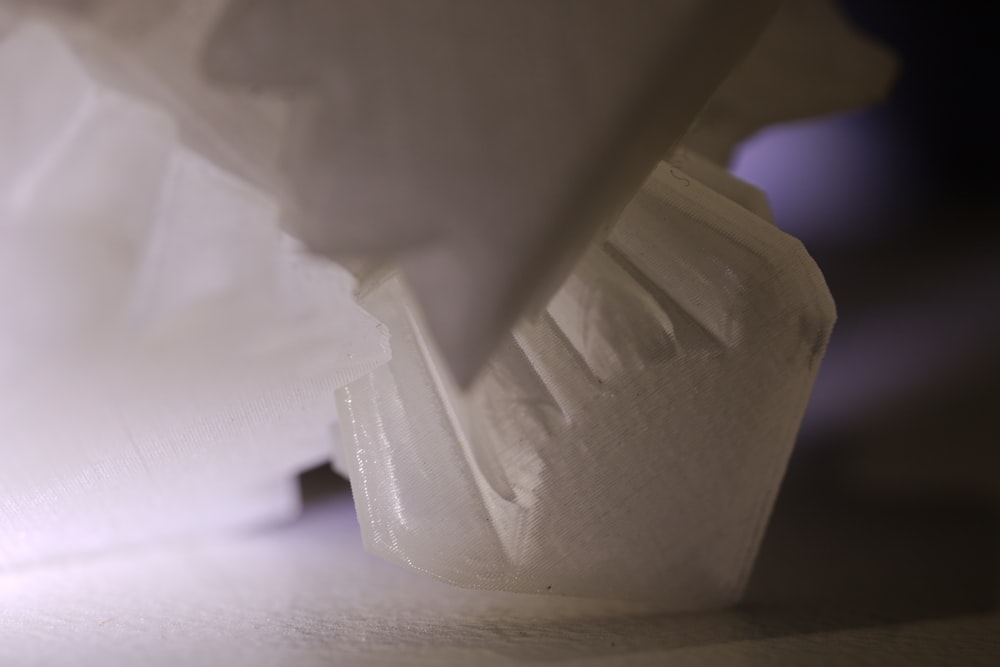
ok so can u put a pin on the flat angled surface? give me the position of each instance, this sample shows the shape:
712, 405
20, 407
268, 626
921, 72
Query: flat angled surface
480, 144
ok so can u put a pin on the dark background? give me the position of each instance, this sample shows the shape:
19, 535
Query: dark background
891, 507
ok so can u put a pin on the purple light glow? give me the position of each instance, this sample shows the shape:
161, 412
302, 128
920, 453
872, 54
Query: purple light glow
831, 181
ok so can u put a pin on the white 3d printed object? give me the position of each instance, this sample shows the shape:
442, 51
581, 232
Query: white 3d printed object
629, 441
169, 359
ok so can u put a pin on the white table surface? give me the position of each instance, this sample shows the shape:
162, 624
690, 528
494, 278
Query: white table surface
308, 594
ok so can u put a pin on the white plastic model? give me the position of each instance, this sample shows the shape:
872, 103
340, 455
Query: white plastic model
626, 443
169, 358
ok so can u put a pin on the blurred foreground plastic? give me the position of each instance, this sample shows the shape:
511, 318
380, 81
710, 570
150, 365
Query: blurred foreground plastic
167, 357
